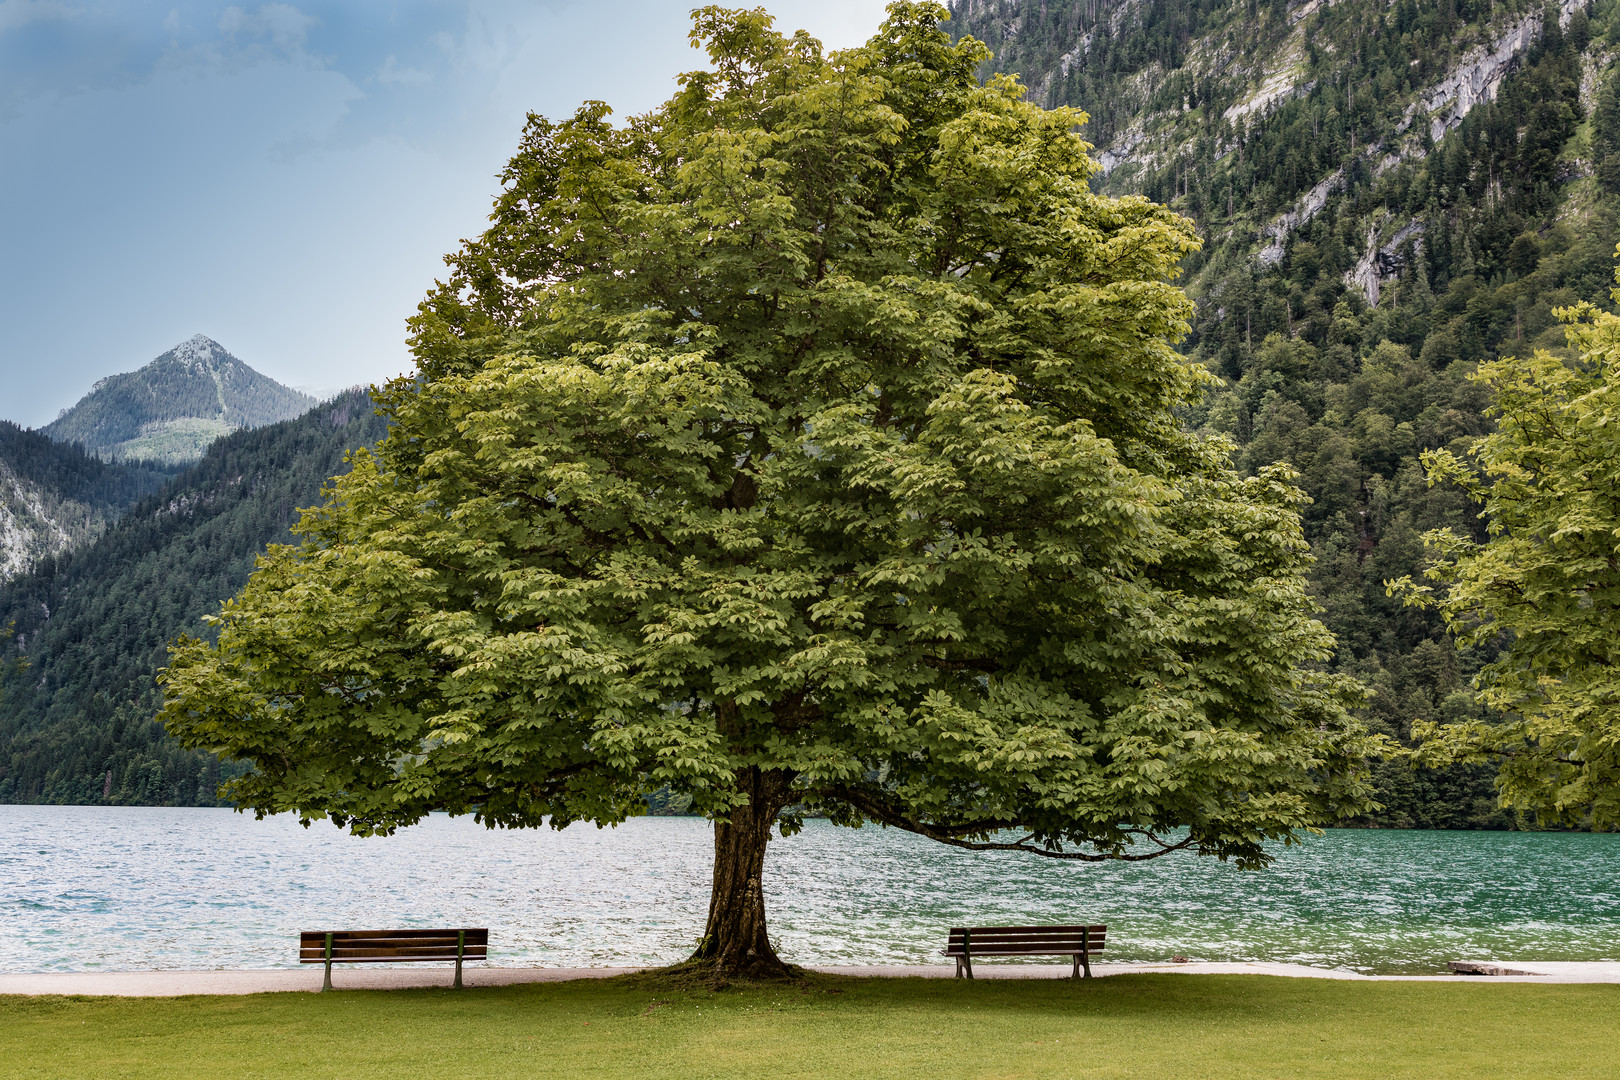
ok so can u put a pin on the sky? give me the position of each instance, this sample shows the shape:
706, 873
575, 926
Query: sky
285, 177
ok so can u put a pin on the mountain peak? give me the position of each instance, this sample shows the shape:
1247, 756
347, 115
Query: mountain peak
199, 349
173, 407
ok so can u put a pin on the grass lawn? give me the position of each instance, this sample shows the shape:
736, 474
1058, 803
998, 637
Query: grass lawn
1138, 1026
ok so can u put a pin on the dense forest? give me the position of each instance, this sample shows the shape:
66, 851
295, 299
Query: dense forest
92, 625
54, 497
1370, 234
66, 472
1367, 241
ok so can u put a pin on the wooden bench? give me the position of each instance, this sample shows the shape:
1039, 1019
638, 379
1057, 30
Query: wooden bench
966, 942
391, 947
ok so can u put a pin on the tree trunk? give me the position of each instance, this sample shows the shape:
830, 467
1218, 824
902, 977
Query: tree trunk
735, 940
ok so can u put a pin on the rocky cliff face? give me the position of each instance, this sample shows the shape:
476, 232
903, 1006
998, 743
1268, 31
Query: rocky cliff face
1476, 78
1384, 260
28, 529
1442, 106
1181, 86
54, 498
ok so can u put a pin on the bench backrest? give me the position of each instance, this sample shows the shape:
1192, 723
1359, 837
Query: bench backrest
392, 946
1026, 940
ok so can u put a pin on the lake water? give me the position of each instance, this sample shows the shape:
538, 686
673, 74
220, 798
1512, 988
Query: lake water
121, 888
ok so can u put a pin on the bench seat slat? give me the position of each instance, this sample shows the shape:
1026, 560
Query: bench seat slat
1035, 951
480, 936
340, 953
1067, 935
413, 931
1027, 930
386, 959
378, 943
1043, 946
956, 948
1097, 941
1029, 941
366, 943
389, 954
361, 950
313, 956
407, 931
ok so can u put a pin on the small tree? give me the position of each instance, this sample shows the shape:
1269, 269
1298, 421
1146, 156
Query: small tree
805, 446
1545, 588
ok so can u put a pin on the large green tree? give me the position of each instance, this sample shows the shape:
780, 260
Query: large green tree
1544, 589
808, 445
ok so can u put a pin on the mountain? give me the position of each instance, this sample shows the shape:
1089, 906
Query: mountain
54, 497
173, 408
92, 625
1388, 193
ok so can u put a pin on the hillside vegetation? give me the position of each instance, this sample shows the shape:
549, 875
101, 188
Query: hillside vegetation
93, 625
1388, 194
55, 497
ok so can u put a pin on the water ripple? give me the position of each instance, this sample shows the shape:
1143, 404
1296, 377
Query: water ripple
125, 888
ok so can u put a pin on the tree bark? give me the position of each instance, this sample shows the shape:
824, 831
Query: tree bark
735, 939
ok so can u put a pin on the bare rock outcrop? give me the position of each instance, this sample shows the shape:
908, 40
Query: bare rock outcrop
1477, 78
1382, 262
1473, 81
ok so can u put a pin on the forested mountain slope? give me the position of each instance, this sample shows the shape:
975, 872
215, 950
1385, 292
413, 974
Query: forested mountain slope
55, 497
93, 625
171, 409
1388, 194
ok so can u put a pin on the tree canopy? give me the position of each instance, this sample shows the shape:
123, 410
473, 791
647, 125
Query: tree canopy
1414, 249
807, 445
1546, 583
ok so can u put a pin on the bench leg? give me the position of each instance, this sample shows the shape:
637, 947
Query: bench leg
958, 967
327, 985
1075, 974
458, 973
1085, 962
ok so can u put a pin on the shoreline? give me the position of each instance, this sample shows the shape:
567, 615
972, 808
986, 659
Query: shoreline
308, 979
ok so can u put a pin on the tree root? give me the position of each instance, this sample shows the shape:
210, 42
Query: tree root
709, 975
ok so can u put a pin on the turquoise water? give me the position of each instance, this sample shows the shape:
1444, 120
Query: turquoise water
119, 888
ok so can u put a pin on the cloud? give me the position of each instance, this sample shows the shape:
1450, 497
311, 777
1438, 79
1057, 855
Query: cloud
284, 25
15, 13
392, 74
54, 48
287, 175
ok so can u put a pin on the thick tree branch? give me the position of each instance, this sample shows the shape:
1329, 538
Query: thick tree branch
882, 812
